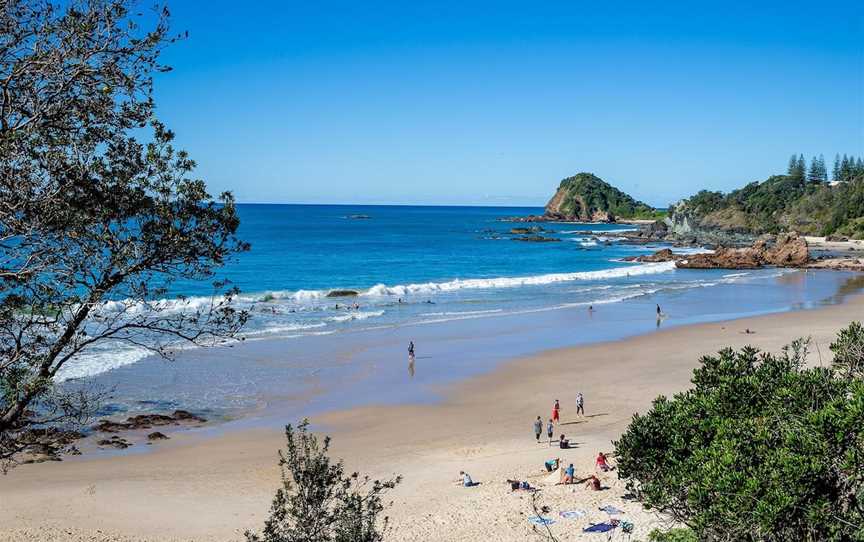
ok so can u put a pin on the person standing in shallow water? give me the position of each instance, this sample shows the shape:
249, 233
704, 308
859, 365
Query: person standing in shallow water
659, 312
555, 408
410, 349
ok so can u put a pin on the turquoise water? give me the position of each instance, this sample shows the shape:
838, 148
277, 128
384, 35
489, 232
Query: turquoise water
450, 278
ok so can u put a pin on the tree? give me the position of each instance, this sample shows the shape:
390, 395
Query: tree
792, 168
835, 173
760, 449
95, 226
801, 167
817, 172
318, 501
797, 167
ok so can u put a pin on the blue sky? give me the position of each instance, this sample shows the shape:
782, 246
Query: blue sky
494, 103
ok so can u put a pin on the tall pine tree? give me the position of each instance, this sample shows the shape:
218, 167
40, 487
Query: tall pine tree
817, 172
835, 173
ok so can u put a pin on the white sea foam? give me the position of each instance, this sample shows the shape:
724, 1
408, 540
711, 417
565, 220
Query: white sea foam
515, 282
355, 315
95, 362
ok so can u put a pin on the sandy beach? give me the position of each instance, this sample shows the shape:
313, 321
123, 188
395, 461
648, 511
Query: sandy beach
195, 488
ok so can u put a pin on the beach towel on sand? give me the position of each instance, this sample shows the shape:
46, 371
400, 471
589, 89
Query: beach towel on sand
598, 528
539, 520
609, 509
571, 514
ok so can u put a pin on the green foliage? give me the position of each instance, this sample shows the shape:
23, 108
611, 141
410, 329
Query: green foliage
672, 535
586, 193
786, 202
95, 225
848, 351
318, 501
760, 449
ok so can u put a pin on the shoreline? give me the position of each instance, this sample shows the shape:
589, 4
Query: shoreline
214, 488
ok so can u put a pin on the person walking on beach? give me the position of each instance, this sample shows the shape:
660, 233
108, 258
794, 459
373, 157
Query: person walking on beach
538, 428
580, 404
555, 408
410, 349
659, 312
550, 431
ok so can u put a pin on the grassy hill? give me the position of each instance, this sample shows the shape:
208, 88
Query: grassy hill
781, 202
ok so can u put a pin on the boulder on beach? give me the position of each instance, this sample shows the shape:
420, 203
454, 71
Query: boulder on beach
662, 255
156, 435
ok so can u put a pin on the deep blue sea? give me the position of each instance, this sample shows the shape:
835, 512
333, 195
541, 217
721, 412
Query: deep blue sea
445, 270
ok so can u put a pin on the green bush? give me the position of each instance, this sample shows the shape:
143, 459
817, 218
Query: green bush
760, 449
318, 500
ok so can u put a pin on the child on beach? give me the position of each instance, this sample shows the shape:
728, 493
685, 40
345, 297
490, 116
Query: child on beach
465, 479
580, 404
538, 428
601, 462
550, 430
569, 474
555, 408
593, 483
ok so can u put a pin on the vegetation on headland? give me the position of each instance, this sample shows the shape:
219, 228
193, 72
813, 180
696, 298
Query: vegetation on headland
95, 224
801, 200
586, 197
761, 448
319, 501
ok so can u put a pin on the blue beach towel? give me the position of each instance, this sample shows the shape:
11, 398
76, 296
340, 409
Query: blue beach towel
538, 520
598, 528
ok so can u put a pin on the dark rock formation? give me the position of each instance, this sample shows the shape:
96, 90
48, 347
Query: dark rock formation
536, 239
115, 442
343, 293
146, 421
156, 435
664, 255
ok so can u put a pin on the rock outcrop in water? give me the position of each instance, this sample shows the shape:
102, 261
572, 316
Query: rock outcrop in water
588, 198
786, 250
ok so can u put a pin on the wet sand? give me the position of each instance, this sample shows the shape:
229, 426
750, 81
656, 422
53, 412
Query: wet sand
194, 488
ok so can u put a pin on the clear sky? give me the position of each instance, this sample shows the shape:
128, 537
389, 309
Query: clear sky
495, 102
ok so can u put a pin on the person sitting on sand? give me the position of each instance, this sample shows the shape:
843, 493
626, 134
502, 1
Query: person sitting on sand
563, 443
569, 474
552, 464
519, 485
593, 483
601, 462
465, 479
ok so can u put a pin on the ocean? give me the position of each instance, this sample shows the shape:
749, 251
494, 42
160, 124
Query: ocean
425, 273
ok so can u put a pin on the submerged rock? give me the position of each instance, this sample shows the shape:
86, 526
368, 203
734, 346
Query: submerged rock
536, 239
343, 293
156, 435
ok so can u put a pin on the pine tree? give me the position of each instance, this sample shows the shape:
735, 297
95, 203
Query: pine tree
793, 164
835, 173
800, 168
845, 170
813, 175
